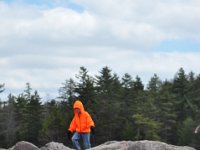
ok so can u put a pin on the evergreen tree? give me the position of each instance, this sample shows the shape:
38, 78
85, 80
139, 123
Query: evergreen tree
104, 81
193, 95
2, 124
85, 88
54, 125
146, 128
21, 118
146, 112
138, 85
165, 103
180, 83
180, 89
108, 104
154, 84
34, 118
27, 92
127, 95
127, 108
10, 121
186, 132
23, 114
67, 91
127, 81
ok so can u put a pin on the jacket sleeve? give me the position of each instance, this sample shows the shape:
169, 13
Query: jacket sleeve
72, 126
90, 122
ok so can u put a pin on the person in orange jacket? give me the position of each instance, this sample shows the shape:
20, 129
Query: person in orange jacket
81, 125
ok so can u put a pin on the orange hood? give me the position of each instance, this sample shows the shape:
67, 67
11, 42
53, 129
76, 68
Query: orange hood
78, 104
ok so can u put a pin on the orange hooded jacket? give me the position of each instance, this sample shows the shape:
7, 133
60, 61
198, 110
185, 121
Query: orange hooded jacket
83, 122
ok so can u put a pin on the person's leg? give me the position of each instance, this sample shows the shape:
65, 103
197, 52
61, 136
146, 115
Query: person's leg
75, 142
86, 140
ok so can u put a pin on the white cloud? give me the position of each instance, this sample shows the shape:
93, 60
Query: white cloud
171, 19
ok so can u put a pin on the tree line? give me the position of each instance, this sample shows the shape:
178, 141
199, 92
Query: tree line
122, 108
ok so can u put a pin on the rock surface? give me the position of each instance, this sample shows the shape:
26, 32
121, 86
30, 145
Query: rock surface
111, 145
139, 145
54, 146
23, 145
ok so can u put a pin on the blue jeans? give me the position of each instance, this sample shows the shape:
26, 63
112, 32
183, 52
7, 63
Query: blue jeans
86, 140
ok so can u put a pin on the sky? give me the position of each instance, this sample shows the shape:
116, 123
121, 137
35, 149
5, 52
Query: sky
45, 42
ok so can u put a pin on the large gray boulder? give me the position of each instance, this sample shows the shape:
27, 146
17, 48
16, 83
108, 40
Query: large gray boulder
23, 145
139, 145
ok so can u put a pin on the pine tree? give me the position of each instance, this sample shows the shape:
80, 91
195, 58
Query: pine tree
165, 103
21, 118
23, 114
180, 89
85, 88
2, 118
27, 92
127, 108
108, 104
154, 84
186, 132
67, 91
34, 118
2, 124
146, 128
127, 94
10, 121
54, 124
138, 85
193, 95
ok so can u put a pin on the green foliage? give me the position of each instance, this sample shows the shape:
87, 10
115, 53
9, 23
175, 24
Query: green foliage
138, 85
146, 128
67, 91
10, 122
128, 130
21, 117
85, 87
186, 132
154, 84
34, 119
54, 123
108, 104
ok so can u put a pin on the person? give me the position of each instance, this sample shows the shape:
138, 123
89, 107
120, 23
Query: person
80, 126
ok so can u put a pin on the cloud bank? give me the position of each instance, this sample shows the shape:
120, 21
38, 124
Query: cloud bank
46, 44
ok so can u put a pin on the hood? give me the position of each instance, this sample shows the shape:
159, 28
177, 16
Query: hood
78, 104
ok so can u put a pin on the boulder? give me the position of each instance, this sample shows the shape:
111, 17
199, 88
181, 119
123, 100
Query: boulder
23, 145
139, 145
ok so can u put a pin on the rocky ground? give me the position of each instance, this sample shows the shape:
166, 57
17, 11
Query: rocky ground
111, 145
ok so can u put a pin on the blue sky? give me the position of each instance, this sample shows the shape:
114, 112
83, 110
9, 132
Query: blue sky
50, 3
179, 46
45, 42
